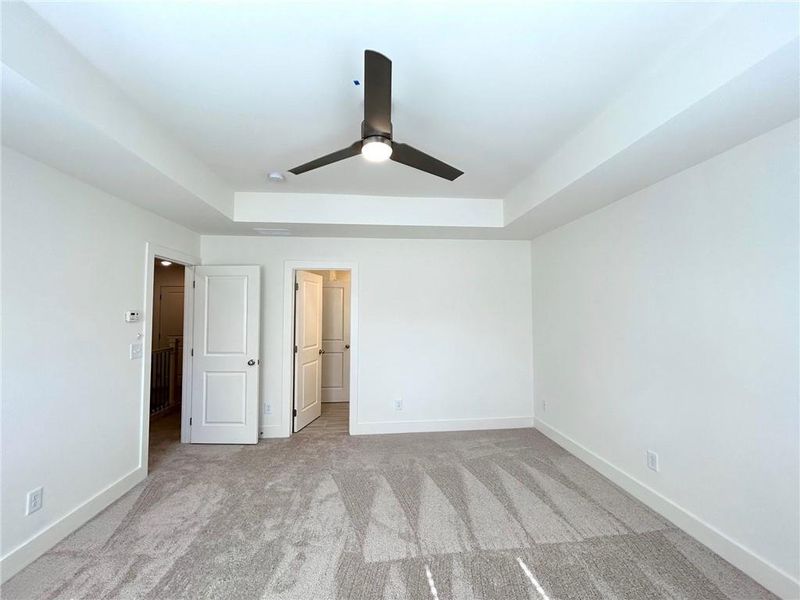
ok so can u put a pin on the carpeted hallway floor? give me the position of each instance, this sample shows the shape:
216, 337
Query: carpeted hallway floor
499, 515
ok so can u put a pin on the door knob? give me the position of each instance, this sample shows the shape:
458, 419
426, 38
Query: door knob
251, 362
347, 346
321, 351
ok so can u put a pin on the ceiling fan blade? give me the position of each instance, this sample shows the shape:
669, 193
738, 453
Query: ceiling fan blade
410, 156
377, 94
351, 150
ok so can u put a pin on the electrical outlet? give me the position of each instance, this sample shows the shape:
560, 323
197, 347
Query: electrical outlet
544, 404
34, 501
268, 409
398, 403
652, 461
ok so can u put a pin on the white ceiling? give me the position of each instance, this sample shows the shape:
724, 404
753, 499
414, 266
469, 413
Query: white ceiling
492, 88
552, 109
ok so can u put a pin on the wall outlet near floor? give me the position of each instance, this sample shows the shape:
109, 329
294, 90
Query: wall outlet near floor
544, 405
652, 461
398, 403
34, 501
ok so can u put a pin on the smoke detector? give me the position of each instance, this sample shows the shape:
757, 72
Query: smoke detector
276, 177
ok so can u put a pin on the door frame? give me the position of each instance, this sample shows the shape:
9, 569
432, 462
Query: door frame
287, 388
153, 252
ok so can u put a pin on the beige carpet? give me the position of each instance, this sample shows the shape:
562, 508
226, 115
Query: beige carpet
500, 515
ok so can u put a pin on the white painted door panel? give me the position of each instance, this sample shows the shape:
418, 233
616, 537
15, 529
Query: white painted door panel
226, 350
170, 314
308, 349
336, 341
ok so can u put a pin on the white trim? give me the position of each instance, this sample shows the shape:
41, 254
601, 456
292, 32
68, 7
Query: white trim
153, 251
188, 344
440, 425
290, 266
767, 574
28, 551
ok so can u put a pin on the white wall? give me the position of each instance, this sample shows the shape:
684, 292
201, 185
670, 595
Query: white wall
444, 323
669, 321
361, 209
73, 261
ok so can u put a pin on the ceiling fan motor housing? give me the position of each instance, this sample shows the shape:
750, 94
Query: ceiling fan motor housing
367, 131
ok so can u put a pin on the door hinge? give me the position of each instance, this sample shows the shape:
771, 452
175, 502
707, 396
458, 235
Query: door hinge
190, 420
193, 283
296, 286
294, 413
191, 352
295, 349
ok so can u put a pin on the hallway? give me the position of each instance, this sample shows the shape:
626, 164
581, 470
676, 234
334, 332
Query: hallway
334, 419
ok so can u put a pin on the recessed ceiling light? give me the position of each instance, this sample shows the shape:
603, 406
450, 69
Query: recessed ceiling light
165, 263
266, 231
276, 177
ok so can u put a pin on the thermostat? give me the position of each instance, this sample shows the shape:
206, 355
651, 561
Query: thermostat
132, 316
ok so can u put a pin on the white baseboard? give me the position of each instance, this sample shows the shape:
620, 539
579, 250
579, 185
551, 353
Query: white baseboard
442, 425
24, 554
767, 574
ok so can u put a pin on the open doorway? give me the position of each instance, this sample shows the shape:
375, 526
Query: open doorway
156, 280
322, 343
166, 357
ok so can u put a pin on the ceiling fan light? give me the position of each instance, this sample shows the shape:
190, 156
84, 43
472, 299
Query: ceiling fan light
376, 148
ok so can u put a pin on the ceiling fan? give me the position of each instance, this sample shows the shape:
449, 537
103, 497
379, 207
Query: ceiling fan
376, 143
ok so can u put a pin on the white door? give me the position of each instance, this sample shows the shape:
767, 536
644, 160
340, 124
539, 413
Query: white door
225, 360
307, 348
170, 323
336, 341
170, 314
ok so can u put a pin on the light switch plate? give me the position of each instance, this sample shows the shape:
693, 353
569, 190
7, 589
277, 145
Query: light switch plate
135, 351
